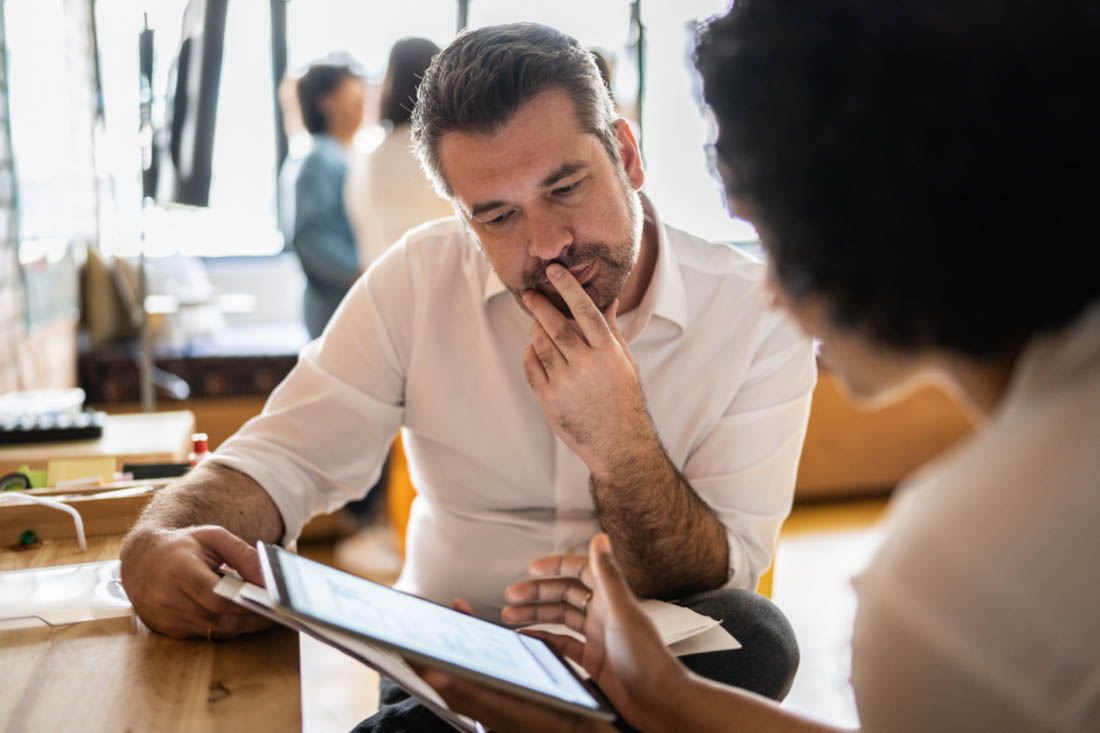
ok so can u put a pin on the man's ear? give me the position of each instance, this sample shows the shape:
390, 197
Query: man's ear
629, 153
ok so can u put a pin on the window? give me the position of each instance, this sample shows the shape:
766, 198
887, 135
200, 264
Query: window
365, 31
679, 180
604, 26
240, 219
52, 105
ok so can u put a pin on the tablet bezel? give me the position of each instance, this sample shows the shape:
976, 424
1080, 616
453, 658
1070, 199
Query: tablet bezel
276, 588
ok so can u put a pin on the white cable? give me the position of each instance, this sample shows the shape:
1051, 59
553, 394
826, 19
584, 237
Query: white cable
77, 520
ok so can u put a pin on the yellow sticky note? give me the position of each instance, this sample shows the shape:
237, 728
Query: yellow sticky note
58, 471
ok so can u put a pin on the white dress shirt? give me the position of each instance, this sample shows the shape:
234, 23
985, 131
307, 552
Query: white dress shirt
981, 612
430, 341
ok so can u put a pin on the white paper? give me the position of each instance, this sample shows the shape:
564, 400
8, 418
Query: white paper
675, 624
682, 630
714, 639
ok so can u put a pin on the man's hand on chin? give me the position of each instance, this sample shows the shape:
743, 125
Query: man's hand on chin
585, 378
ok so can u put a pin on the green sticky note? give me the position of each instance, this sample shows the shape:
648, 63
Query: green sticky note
37, 478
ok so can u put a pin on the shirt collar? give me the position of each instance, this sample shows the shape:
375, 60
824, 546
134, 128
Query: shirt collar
665, 296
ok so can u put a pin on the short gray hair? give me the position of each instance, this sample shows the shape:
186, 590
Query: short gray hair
478, 82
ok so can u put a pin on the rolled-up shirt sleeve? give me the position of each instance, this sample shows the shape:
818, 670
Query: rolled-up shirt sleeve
745, 467
324, 433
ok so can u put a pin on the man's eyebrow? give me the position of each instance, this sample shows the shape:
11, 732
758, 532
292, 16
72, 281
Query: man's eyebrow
478, 209
564, 171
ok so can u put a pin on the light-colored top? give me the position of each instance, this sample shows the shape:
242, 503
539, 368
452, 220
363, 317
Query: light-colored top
387, 194
981, 612
429, 339
322, 235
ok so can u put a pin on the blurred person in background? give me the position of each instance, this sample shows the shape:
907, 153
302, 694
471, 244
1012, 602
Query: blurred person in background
387, 194
331, 98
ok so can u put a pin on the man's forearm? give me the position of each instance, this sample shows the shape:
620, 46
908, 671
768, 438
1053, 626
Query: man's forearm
667, 539
213, 494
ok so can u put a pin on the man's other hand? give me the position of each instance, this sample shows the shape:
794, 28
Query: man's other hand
622, 651
169, 576
585, 377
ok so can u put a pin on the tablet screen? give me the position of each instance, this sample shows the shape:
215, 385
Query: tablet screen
414, 624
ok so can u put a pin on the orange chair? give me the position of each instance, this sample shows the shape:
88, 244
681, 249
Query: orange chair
399, 493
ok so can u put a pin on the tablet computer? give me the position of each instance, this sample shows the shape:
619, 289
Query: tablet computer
427, 632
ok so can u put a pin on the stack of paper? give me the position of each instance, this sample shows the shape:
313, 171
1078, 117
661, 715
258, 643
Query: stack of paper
683, 631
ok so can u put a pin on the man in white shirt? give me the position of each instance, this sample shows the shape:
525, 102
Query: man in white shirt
635, 380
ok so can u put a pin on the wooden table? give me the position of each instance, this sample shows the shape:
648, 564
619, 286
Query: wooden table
152, 437
116, 675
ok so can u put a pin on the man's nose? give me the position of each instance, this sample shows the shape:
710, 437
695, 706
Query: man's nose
548, 237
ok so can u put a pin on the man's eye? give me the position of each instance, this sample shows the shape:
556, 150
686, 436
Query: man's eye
500, 219
566, 190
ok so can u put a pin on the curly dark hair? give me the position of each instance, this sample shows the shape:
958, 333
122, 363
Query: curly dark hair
929, 167
319, 81
478, 82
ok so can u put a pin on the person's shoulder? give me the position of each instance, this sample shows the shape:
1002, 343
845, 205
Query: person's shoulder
1027, 478
698, 257
447, 233
726, 297
437, 261
717, 272
440, 244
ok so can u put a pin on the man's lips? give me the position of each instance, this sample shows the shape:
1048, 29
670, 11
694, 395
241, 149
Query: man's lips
583, 272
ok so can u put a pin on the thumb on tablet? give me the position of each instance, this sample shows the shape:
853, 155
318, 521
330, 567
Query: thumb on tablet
609, 578
462, 606
612, 587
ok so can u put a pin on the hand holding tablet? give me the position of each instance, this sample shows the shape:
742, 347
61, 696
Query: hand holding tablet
426, 632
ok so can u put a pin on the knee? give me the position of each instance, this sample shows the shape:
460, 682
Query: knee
769, 655
773, 635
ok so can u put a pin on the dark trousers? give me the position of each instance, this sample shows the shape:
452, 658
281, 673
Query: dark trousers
765, 663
